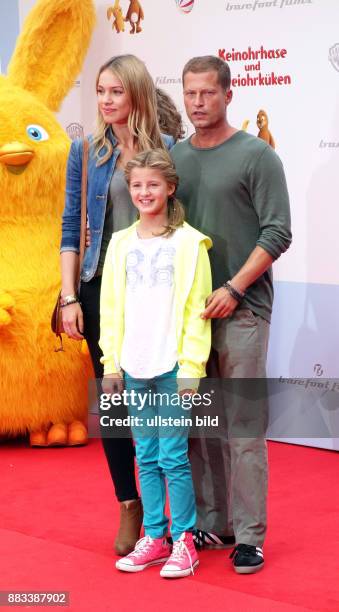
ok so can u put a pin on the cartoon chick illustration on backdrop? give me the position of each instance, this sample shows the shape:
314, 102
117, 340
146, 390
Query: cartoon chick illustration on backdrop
118, 19
264, 132
42, 392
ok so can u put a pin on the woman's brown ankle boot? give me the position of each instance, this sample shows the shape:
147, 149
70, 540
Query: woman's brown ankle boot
131, 515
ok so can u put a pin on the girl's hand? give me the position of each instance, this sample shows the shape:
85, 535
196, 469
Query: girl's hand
112, 383
73, 321
187, 392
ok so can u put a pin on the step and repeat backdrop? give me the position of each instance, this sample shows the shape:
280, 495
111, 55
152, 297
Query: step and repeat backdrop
284, 58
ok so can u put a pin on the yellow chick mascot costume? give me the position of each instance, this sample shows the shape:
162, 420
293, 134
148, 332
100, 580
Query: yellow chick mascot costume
42, 392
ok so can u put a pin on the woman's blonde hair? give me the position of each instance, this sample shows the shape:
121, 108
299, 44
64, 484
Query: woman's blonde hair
159, 159
142, 121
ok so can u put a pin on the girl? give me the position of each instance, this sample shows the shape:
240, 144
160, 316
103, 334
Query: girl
126, 123
156, 279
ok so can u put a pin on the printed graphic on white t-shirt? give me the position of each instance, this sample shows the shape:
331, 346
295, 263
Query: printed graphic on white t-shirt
161, 269
149, 346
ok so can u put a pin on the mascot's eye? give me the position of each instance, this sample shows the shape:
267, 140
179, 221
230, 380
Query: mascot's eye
37, 133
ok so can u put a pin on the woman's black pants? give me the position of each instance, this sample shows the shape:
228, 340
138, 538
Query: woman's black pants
119, 451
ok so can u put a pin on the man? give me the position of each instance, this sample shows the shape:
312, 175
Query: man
234, 190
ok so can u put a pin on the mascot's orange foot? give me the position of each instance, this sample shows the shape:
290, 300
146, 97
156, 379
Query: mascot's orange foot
38, 438
77, 434
57, 435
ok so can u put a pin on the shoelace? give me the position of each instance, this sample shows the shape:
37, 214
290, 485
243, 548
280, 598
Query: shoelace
141, 546
179, 548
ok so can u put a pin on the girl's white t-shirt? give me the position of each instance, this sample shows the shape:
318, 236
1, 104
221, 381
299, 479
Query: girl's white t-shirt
150, 345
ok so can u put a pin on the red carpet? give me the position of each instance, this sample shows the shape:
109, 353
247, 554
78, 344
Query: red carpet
58, 517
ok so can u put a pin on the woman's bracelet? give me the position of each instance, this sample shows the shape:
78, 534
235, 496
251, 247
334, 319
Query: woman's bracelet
68, 299
237, 295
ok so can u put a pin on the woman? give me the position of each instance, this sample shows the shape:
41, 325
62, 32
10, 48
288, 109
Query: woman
126, 124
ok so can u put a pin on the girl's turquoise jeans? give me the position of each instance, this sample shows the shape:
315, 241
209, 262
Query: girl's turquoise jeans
161, 452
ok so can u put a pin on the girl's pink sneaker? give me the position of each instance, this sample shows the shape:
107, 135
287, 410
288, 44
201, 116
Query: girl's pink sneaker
147, 551
183, 560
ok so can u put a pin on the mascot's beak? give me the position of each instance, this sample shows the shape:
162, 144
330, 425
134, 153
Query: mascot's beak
16, 156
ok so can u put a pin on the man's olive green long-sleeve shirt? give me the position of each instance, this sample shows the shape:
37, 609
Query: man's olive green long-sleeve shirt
236, 193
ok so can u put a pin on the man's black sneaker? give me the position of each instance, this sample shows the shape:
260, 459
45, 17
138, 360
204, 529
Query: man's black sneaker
204, 539
247, 559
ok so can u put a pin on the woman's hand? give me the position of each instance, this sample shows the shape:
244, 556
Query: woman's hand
73, 321
112, 383
88, 238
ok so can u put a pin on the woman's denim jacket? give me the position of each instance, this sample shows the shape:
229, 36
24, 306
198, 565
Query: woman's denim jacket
99, 178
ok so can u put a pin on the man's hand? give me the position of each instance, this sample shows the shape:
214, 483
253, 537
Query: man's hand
112, 383
219, 305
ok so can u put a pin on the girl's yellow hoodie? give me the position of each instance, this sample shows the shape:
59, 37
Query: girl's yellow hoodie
192, 277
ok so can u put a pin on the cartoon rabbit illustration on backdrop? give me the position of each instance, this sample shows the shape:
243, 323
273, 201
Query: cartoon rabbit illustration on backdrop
42, 392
